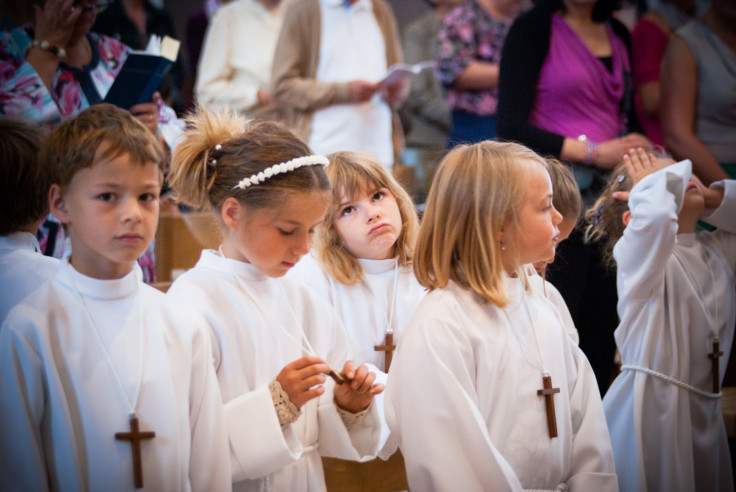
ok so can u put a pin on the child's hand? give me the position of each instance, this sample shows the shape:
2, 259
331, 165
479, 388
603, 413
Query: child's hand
712, 198
302, 379
640, 164
357, 393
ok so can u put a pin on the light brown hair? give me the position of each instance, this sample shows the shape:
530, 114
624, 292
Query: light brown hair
350, 174
604, 218
24, 181
220, 148
102, 131
477, 191
565, 192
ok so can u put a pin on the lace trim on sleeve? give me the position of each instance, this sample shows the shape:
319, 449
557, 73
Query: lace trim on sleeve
351, 419
286, 411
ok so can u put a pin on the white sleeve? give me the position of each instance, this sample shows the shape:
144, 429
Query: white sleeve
22, 403
209, 467
592, 466
214, 86
648, 240
724, 218
432, 408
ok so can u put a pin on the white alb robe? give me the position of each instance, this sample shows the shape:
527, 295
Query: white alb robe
61, 404
462, 398
665, 437
365, 308
22, 269
251, 349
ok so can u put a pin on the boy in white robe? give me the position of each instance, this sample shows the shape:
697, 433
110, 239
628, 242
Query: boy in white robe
275, 338
465, 395
24, 187
676, 298
105, 384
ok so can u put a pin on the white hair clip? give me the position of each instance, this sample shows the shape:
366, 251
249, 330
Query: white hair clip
284, 167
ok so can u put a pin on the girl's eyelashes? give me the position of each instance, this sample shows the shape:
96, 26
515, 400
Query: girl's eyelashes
347, 210
285, 232
378, 195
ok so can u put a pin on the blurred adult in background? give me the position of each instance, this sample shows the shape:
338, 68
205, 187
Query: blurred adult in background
235, 64
328, 61
133, 22
470, 40
53, 68
699, 93
649, 40
565, 91
429, 115
194, 33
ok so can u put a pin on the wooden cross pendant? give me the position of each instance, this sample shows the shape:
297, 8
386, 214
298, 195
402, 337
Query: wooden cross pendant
714, 360
388, 347
135, 437
548, 392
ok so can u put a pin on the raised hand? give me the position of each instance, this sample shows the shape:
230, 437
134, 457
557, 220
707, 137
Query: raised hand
302, 379
358, 391
640, 164
55, 21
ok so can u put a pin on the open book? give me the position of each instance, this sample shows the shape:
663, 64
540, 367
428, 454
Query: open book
400, 71
143, 72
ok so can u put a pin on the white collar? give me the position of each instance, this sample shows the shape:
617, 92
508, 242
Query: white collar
96, 288
359, 5
20, 240
378, 266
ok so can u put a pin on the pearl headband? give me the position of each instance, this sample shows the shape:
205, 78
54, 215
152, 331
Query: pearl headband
284, 167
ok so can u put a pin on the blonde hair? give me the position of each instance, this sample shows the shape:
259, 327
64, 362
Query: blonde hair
221, 148
565, 192
478, 189
351, 173
604, 218
102, 131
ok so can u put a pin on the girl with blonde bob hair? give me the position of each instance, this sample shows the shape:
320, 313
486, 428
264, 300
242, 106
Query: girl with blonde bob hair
486, 387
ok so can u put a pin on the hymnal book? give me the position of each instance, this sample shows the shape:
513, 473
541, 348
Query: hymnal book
400, 71
143, 73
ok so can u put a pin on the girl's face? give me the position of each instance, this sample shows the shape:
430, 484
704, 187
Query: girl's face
536, 234
273, 240
369, 224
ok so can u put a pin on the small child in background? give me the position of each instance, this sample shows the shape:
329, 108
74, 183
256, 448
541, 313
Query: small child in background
567, 201
362, 255
276, 339
24, 195
486, 389
361, 265
105, 384
677, 306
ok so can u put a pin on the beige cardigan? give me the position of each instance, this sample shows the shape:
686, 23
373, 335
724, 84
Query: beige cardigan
296, 60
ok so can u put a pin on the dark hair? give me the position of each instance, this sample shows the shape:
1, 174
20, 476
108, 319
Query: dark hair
602, 10
604, 218
102, 131
221, 148
24, 182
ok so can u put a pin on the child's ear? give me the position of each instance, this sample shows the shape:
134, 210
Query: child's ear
57, 204
231, 212
626, 218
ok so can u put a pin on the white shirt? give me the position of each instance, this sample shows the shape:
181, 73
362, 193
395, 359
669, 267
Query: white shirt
670, 287
352, 48
462, 398
61, 403
550, 292
22, 269
237, 54
251, 319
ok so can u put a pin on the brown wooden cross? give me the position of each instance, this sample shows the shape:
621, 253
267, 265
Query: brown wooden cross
135, 437
714, 360
548, 392
388, 347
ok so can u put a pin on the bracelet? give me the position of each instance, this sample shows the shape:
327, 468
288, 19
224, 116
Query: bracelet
60, 53
591, 150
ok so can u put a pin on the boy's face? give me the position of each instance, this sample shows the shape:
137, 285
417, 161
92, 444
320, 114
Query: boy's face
111, 214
